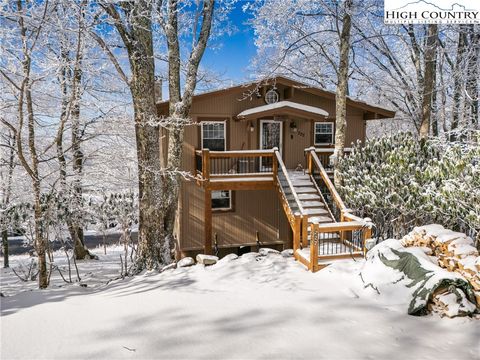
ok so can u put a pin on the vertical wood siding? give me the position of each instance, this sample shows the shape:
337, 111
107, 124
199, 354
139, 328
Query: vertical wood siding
252, 210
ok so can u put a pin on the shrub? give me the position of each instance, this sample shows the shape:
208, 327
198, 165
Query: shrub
401, 182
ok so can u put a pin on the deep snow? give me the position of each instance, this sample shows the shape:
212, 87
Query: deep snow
249, 308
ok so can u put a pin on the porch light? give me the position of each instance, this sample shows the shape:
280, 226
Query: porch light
251, 128
293, 127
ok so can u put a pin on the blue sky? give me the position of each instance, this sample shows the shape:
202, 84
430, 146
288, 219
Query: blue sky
234, 56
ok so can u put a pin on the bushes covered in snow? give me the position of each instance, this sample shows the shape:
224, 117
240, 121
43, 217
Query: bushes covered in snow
401, 182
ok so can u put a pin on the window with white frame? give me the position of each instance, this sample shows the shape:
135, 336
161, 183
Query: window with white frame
323, 134
221, 200
213, 135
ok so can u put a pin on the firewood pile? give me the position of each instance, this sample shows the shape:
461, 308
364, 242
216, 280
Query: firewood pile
454, 251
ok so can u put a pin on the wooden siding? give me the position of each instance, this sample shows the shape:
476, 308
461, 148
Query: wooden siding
253, 211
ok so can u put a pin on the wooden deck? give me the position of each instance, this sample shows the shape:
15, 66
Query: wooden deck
321, 224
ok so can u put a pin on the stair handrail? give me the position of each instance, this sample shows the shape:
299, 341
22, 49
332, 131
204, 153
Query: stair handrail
336, 196
345, 213
281, 166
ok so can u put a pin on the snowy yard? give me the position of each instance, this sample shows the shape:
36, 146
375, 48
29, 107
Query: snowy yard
250, 308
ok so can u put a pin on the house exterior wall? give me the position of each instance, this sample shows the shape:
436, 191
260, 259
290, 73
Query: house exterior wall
253, 211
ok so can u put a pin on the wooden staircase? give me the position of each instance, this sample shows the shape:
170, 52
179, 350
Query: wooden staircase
323, 228
310, 198
318, 236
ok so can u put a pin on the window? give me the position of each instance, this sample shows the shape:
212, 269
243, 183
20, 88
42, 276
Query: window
213, 135
222, 200
323, 133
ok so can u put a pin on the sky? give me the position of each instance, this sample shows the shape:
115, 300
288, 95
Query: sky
232, 59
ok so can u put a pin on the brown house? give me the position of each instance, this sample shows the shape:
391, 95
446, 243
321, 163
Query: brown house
250, 195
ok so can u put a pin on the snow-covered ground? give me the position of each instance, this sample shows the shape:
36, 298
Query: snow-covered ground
249, 308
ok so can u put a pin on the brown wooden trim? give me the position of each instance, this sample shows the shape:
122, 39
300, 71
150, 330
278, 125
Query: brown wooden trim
215, 118
240, 176
240, 153
314, 251
333, 132
305, 231
296, 232
243, 88
241, 185
340, 226
327, 181
232, 205
301, 259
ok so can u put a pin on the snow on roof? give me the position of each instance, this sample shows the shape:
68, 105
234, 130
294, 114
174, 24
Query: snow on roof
282, 104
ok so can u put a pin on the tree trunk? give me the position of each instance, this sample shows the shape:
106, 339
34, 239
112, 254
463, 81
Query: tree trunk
80, 251
135, 29
472, 77
5, 248
142, 86
179, 106
72, 196
458, 82
435, 129
341, 92
7, 189
429, 79
40, 240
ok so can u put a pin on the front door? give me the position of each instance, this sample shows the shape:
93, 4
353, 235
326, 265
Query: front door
270, 137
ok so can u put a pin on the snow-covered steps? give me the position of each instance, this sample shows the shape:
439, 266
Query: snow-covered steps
319, 219
316, 211
305, 190
308, 196
300, 183
311, 204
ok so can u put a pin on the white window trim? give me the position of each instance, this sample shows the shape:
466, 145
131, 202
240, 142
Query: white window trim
230, 202
315, 132
214, 122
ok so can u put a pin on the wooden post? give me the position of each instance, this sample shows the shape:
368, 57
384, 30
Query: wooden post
310, 161
206, 166
305, 231
367, 234
208, 222
314, 248
342, 233
274, 164
296, 232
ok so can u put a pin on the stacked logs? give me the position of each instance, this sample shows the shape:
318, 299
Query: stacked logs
454, 251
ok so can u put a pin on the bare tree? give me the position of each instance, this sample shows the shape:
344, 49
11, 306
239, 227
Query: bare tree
458, 79
6, 177
471, 89
133, 21
25, 112
429, 79
342, 86
180, 102
70, 83
159, 177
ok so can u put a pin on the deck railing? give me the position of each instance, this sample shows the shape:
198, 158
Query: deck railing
264, 169
291, 203
234, 163
343, 238
324, 155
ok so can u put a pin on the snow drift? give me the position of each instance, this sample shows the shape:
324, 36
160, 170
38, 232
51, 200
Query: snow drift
410, 276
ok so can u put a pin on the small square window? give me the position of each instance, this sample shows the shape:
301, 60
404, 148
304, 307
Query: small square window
213, 135
221, 200
323, 134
